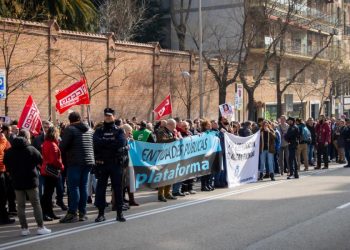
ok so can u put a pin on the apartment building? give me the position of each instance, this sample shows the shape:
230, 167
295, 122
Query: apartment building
312, 23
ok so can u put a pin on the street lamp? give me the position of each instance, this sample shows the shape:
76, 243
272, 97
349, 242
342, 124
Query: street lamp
200, 73
186, 74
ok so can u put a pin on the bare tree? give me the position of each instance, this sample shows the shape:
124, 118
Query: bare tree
179, 18
187, 90
90, 64
21, 70
123, 17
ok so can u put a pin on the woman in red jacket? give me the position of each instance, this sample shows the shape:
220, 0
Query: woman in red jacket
51, 157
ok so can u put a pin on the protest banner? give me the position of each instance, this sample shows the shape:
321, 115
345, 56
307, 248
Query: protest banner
75, 94
160, 164
30, 117
242, 159
164, 108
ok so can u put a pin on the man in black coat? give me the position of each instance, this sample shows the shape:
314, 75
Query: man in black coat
292, 137
77, 147
346, 136
111, 150
22, 161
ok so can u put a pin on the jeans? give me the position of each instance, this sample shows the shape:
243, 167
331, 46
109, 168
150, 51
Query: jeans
283, 157
322, 152
41, 185
59, 189
46, 198
276, 163
269, 168
310, 152
116, 174
92, 182
293, 167
33, 196
347, 153
177, 187
77, 178
3, 196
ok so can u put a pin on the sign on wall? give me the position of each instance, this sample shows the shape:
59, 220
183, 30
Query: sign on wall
2, 84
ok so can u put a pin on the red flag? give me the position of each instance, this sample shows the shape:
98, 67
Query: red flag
75, 94
164, 108
30, 117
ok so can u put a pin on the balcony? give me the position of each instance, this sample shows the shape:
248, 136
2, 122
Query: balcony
304, 16
301, 52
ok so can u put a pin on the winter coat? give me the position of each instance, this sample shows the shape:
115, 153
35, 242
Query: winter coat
340, 140
283, 131
292, 136
51, 154
271, 141
22, 161
313, 133
77, 145
323, 133
38, 141
346, 136
4, 145
110, 143
164, 135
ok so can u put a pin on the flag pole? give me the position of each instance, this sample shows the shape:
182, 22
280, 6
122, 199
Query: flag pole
88, 115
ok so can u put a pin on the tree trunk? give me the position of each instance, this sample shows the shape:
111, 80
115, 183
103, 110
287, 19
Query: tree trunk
181, 38
279, 101
251, 105
6, 106
278, 89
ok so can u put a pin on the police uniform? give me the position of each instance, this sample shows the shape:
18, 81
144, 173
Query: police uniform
111, 152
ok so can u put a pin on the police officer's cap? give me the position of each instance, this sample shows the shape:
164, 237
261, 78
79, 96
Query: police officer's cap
108, 111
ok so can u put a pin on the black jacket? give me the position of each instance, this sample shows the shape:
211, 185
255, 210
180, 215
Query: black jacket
38, 141
292, 136
110, 143
77, 145
345, 134
21, 161
313, 134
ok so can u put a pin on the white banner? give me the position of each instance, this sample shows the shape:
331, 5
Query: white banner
242, 159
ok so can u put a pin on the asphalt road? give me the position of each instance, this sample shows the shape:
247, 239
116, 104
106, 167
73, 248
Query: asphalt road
310, 213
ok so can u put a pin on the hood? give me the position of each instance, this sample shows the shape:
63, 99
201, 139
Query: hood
83, 127
301, 125
19, 142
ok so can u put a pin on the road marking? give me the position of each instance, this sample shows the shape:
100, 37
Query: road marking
60, 233
344, 206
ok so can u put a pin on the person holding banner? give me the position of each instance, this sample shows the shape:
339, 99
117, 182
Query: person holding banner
267, 150
206, 180
166, 135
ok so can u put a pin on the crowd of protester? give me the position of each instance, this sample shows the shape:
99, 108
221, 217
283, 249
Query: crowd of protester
80, 159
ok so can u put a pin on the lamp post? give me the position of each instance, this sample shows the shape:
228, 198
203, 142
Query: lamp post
200, 73
186, 74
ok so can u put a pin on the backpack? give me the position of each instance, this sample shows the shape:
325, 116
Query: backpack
305, 135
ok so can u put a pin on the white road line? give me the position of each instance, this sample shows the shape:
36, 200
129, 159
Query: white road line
344, 206
83, 228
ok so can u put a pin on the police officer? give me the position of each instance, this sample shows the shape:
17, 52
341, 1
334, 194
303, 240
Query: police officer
111, 152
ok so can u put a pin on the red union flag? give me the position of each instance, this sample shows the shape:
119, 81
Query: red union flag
75, 94
30, 117
164, 108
